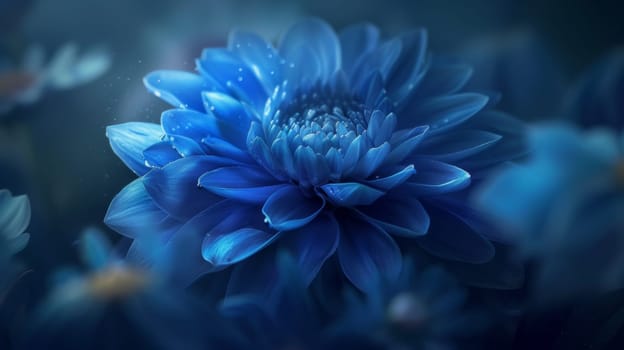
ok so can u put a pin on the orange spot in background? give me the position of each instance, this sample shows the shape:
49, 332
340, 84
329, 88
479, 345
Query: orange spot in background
14, 82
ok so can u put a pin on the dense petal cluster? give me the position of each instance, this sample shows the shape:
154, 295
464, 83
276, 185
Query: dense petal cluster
562, 205
326, 143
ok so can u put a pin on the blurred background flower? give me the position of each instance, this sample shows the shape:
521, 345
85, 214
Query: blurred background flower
15, 215
25, 84
561, 206
426, 308
116, 305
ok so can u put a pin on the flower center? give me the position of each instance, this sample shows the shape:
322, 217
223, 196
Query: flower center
320, 123
117, 283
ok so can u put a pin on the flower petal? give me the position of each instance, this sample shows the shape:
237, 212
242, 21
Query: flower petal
174, 187
313, 244
179, 89
181, 259
451, 239
382, 59
410, 66
230, 248
197, 126
433, 177
457, 145
311, 167
444, 112
129, 140
367, 253
261, 153
259, 55
444, 79
404, 143
134, 214
371, 160
348, 194
241, 183
320, 38
234, 75
186, 146
402, 217
288, 209
355, 42
229, 110
14, 214
392, 181
160, 154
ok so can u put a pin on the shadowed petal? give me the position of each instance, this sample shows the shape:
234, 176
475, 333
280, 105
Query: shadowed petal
444, 112
288, 209
356, 41
174, 188
242, 183
129, 140
404, 143
313, 244
451, 239
443, 79
181, 258
402, 217
458, 144
367, 253
318, 36
134, 214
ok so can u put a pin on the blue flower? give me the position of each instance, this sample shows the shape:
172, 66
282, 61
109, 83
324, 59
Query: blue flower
597, 99
426, 308
117, 305
25, 84
563, 206
330, 143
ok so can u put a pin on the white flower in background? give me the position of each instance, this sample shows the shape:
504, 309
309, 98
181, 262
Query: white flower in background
25, 84
14, 219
